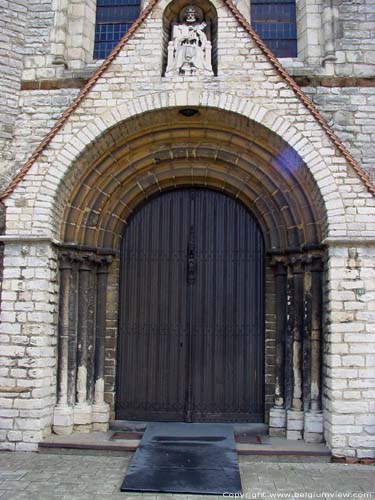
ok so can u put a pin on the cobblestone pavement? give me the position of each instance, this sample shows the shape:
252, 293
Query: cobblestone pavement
32, 476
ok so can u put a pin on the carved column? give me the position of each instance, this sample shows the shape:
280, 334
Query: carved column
100, 407
73, 315
306, 351
91, 329
295, 413
82, 410
277, 413
82, 312
63, 414
314, 416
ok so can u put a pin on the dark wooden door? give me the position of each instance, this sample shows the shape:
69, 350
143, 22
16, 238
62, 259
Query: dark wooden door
191, 315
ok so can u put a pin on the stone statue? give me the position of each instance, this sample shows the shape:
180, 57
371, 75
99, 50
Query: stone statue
189, 51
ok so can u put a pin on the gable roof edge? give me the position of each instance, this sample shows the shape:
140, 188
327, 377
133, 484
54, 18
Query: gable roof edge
76, 102
306, 101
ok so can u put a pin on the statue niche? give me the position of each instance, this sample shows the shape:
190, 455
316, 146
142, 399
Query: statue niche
189, 50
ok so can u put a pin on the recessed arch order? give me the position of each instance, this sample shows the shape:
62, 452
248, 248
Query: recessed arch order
159, 150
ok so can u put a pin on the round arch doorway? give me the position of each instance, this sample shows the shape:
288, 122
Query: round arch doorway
191, 324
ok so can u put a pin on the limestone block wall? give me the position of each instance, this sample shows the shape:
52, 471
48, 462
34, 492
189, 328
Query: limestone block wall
27, 354
354, 37
310, 36
247, 84
37, 39
335, 37
13, 15
38, 112
351, 113
59, 35
55, 41
349, 367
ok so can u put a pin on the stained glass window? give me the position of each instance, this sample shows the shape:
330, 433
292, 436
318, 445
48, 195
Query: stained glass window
275, 23
113, 19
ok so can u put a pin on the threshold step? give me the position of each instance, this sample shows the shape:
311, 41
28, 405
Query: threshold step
250, 448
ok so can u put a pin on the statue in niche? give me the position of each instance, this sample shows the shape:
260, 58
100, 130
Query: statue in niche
189, 51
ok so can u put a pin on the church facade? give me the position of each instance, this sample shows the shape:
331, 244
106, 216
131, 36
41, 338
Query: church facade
188, 217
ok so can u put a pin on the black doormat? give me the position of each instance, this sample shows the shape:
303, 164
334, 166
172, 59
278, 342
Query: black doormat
244, 438
126, 435
185, 458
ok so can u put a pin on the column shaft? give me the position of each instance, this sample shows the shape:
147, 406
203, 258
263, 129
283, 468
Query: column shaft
281, 314
91, 327
288, 382
101, 302
63, 332
297, 336
83, 326
316, 334
307, 326
295, 420
73, 327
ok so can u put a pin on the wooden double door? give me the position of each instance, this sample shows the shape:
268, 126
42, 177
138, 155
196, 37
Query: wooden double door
191, 311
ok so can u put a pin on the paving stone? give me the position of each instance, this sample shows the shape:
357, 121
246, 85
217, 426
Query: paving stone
99, 478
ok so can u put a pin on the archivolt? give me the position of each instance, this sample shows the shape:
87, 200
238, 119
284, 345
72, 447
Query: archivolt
161, 150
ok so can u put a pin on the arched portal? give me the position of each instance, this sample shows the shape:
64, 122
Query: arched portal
164, 151
191, 327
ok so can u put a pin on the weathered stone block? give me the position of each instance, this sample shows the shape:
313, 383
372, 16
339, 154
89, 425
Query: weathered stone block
277, 418
313, 422
82, 414
14, 436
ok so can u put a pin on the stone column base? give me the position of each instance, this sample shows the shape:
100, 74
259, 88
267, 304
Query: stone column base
62, 420
294, 424
82, 417
100, 417
277, 423
313, 432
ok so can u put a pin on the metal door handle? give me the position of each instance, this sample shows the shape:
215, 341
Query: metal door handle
191, 263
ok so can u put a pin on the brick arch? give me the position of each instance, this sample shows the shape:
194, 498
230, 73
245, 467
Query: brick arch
162, 150
94, 139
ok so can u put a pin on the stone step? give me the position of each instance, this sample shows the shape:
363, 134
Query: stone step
264, 448
256, 429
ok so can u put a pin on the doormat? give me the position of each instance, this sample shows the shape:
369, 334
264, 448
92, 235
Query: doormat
126, 435
185, 458
245, 438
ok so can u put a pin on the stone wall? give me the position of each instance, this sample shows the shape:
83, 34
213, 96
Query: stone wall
349, 368
44, 46
354, 37
13, 15
247, 84
351, 113
38, 112
27, 354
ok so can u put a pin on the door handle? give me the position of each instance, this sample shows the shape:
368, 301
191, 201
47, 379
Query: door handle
191, 261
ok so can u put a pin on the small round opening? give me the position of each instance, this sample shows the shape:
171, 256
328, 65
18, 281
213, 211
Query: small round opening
188, 112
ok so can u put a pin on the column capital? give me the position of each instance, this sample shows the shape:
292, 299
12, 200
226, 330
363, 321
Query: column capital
279, 265
297, 265
103, 264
